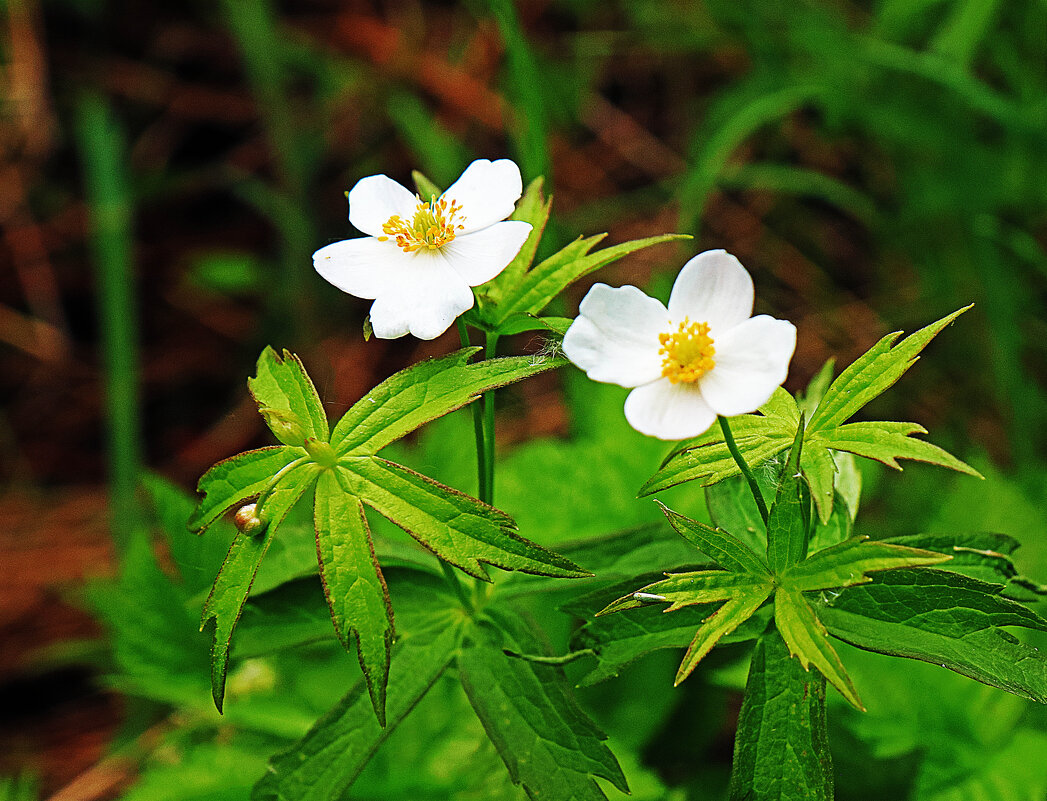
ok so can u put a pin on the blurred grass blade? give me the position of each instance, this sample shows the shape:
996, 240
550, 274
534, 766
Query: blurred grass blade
103, 157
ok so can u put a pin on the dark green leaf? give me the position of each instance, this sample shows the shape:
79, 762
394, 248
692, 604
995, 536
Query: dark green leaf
781, 750
872, 373
542, 735
414, 396
621, 638
322, 765
353, 582
944, 618
719, 545
234, 581
809, 642
788, 525
233, 481
456, 527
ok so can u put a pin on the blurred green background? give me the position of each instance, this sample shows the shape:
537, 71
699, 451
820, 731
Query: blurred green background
169, 168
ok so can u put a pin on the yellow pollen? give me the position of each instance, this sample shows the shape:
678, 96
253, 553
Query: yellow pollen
434, 225
688, 352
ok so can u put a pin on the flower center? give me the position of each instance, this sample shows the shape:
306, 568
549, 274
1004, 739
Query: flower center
434, 225
688, 352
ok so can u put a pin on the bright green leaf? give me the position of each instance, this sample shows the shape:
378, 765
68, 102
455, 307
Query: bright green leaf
353, 582
719, 545
697, 587
456, 527
887, 442
233, 584
552, 276
872, 373
427, 390
546, 741
720, 623
809, 642
781, 750
287, 398
847, 563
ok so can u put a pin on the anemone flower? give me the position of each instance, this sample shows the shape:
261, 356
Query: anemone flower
421, 257
705, 355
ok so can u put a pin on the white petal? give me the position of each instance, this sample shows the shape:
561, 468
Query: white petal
375, 199
363, 267
615, 336
479, 256
712, 288
428, 298
487, 192
752, 361
668, 411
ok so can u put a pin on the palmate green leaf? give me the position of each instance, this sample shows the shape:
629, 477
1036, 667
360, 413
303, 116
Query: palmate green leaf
353, 582
808, 641
458, 528
323, 764
944, 618
619, 639
847, 563
547, 743
233, 584
549, 278
762, 436
423, 392
235, 480
789, 520
781, 750
287, 398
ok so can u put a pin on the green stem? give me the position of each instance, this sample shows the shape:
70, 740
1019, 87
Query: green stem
490, 351
478, 426
271, 485
732, 446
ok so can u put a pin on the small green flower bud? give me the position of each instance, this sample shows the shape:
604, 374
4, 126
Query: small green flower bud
284, 425
247, 521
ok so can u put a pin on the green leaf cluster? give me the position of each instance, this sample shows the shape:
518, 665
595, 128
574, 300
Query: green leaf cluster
761, 436
342, 470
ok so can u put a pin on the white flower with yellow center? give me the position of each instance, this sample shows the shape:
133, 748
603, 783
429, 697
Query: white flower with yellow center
421, 257
705, 355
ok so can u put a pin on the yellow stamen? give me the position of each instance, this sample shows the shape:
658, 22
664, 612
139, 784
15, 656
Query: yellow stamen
434, 225
688, 352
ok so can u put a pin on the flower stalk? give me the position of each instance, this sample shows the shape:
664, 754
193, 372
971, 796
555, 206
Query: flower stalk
732, 446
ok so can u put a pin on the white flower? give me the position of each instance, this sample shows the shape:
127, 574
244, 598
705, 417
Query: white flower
703, 356
421, 257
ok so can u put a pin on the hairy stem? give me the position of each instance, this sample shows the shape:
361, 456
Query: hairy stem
478, 427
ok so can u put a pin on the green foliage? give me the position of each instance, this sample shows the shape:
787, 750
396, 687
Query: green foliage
548, 744
761, 436
346, 474
781, 751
